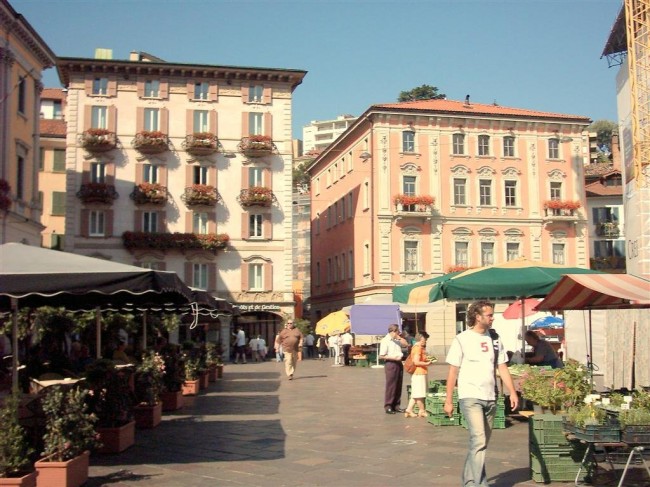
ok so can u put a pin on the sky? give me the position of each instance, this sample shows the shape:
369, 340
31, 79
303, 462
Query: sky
541, 55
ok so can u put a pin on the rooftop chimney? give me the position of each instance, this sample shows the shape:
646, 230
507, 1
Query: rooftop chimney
103, 53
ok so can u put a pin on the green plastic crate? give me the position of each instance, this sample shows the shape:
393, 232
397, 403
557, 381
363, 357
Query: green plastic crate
602, 433
444, 420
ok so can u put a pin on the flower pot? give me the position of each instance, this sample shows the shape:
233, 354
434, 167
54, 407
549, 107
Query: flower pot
28, 480
171, 401
147, 417
116, 440
212, 373
191, 387
203, 380
219, 371
71, 473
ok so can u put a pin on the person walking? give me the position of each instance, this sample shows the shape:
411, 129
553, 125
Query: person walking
346, 341
240, 345
473, 358
390, 350
322, 347
338, 350
309, 343
419, 377
291, 343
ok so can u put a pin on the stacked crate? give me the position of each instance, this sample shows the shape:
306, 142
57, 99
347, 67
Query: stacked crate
499, 417
553, 458
434, 404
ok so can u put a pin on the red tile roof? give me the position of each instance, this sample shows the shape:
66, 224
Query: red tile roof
462, 108
52, 94
52, 128
598, 169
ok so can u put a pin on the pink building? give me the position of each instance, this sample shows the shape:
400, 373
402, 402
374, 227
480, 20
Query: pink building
412, 190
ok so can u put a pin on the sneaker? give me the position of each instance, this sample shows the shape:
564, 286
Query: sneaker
291, 377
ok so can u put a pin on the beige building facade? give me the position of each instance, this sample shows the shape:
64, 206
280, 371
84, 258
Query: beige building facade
23, 57
185, 168
414, 190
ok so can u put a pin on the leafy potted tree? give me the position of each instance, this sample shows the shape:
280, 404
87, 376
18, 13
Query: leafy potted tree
111, 401
15, 466
172, 394
148, 386
191, 384
213, 362
69, 436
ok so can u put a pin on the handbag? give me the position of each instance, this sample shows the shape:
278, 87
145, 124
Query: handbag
409, 366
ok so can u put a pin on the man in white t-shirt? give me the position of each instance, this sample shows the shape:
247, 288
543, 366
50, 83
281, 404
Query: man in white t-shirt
471, 360
240, 345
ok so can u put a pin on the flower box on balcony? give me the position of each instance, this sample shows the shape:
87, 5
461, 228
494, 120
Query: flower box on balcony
150, 142
98, 140
200, 194
256, 145
171, 241
256, 196
149, 193
413, 203
201, 144
97, 193
608, 229
561, 208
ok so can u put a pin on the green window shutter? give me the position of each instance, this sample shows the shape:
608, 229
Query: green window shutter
59, 160
58, 203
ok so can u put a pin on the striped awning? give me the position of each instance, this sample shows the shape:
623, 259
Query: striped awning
597, 291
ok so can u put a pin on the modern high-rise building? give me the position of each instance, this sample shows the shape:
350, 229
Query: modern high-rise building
185, 167
320, 133
23, 57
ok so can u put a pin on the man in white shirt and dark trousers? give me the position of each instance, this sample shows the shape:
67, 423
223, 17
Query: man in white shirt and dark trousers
346, 340
390, 350
473, 358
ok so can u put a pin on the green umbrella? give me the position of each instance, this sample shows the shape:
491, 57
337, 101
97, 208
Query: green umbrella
422, 292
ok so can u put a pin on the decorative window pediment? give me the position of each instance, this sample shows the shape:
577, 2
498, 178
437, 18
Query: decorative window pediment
411, 231
511, 172
486, 171
558, 236
462, 232
556, 175
513, 232
487, 233
460, 170
255, 258
410, 168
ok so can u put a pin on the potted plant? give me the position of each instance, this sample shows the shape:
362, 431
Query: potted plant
200, 144
213, 362
172, 394
200, 194
635, 421
256, 145
69, 436
151, 193
15, 451
413, 203
97, 193
191, 365
111, 401
149, 384
256, 196
96, 140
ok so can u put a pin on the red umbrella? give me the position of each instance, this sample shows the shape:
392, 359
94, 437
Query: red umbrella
514, 311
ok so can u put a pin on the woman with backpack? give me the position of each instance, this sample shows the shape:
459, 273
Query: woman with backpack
419, 358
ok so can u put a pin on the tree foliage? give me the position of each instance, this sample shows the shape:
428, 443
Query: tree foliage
300, 177
424, 92
604, 130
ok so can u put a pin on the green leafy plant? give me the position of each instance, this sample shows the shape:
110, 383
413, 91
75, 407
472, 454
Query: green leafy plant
190, 367
110, 398
556, 389
14, 447
634, 416
586, 415
212, 355
69, 424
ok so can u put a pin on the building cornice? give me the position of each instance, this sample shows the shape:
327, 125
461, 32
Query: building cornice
18, 27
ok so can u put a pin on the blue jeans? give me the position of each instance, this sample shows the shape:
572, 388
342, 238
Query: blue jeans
479, 415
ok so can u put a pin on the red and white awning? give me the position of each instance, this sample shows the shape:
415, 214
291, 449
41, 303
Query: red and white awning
597, 291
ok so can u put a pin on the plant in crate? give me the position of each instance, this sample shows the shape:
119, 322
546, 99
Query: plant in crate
110, 398
556, 389
190, 367
15, 450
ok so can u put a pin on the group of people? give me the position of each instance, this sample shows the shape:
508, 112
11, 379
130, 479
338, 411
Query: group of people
474, 357
256, 346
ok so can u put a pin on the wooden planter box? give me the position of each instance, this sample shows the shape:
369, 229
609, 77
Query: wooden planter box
212, 374
71, 473
171, 401
147, 417
203, 380
191, 387
28, 480
116, 440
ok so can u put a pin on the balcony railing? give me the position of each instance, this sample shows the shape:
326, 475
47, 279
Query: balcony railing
150, 142
201, 144
554, 208
174, 241
149, 193
613, 263
413, 204
257, 146
97, 193
97, 141
200, 194
608, 229
256, 196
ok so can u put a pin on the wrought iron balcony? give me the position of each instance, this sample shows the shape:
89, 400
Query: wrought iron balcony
97, 141
200, 195
149, 193
256, 196
172, 241
150, 142
97, 193
413, 204
257, 146
201, 144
